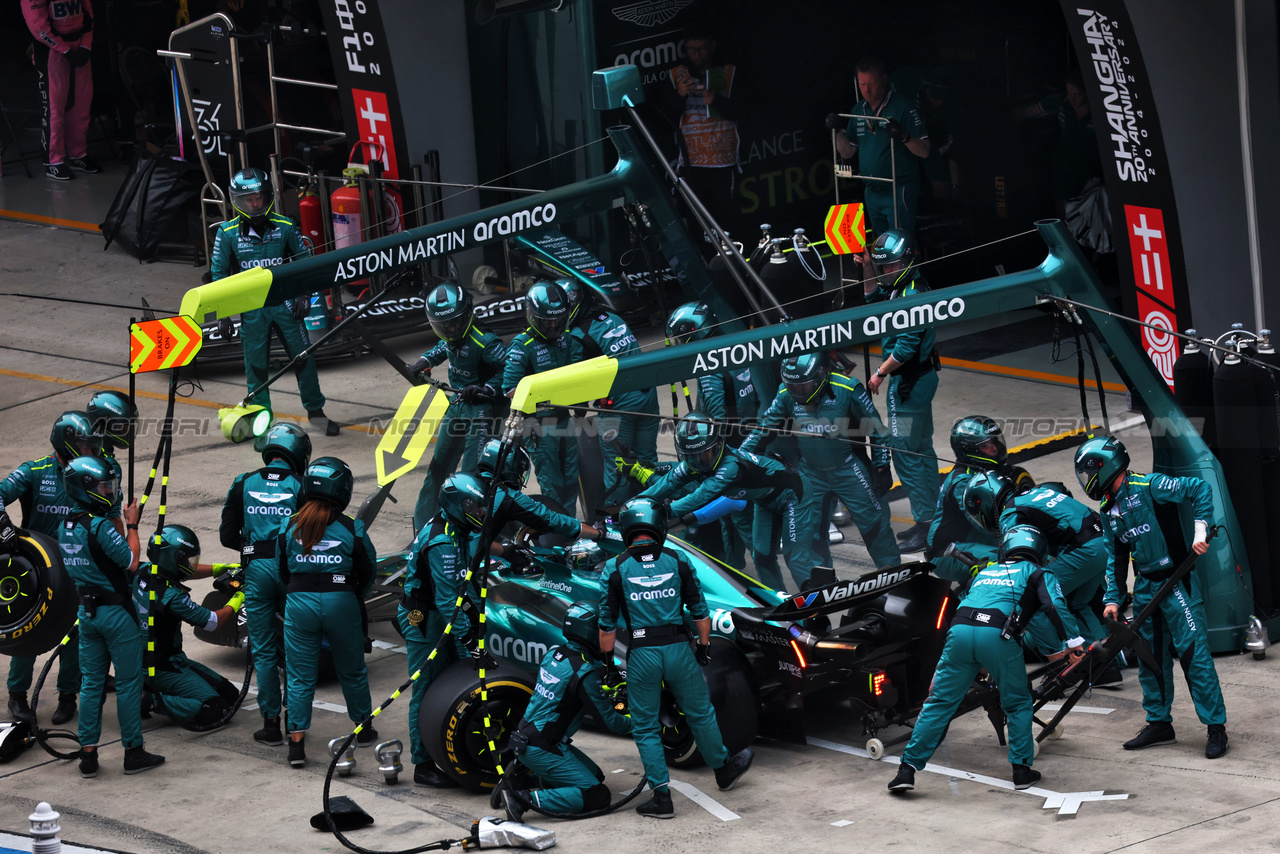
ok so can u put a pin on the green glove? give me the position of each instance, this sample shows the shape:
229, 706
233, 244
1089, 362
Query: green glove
219, 568
236, 602
641, 473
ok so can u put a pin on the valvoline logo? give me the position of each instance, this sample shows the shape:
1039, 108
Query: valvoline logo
805, 601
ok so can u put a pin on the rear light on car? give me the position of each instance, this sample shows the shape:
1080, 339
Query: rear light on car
879, 682
799, 655
942, 612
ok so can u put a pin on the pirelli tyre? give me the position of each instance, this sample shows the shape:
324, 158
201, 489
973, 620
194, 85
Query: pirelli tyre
590, 469
452, 721
735, 694
38, 601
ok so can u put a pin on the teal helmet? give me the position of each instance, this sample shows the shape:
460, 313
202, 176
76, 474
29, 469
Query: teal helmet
251, 195
893, 256
289, 442
805, 376
462, 501
585, 555
699, 443
582, 628
977, 441
177, 554
1098, 461
643, 515
515, 468
692, 321
449, 310
114, 416
579, 296
91, 484
547, 310
1022, 542
75, 435
985, 498
328, 478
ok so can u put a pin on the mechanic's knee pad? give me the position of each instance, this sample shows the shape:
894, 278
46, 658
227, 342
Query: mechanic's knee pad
211, 712
597, 797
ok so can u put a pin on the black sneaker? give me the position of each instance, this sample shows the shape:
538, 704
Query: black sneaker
515, 804
19, 708
109, 684
728, 774
58, 172
297, 753
1216, 746
1153, 734
659, 806
137, 760
88, 764
428, 775
905, 780
1024, 776
270, 733
66, 709
367, 737
915, 538
84, 164
331, 427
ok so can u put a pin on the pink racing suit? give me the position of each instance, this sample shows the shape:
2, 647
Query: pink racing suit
60, 26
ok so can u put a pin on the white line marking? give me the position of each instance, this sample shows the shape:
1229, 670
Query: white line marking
844, 822
618, 770
1088, 710
1067, 803
315, 704
704, 800
390, 647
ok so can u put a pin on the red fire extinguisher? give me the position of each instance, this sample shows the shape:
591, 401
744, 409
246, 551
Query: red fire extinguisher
344, 207
309, 218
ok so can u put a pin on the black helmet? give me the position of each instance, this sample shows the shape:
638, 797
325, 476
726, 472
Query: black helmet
462, 501
698, 442
1098, 462
251, 195
546, 308
579, 297
893, 255
585, 555
1022, 542
985, 498
177, 553
329, 478
289, 442
449, 310
805, 376
75, 435
643, 515
582, 628
515, 468
692, 321
91, 485
113, 415
977, 441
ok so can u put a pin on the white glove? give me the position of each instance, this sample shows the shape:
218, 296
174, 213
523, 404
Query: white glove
1202, 532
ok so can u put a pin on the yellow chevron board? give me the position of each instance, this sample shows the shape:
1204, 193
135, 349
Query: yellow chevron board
415, 423
228, 297
566, 386
157, 345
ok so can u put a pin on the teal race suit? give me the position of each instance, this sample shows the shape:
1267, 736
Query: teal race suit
650, 593
475, 359
258, 504
568, 684
237, 247
1130, 530
768, 484
325, 600
951, 525
98, 560
183, 689
433, 580
512, 505
912, 386
974, 642
603, 333
555, 452
831, 460
874, 159
1073, 539
37, 487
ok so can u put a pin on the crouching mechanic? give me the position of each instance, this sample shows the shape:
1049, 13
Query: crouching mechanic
1002, 597
956, 546
1131, 529
569, 682
183, 689
650, 589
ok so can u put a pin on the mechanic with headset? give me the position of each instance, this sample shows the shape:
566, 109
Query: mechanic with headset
983, 634
569, 683
956, 547
258, 504
476, 359
327, 563
650, 589
1131, 531
827, 411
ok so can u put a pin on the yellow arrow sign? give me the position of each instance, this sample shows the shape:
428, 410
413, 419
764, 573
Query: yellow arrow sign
156, 345
846, 229
410, 432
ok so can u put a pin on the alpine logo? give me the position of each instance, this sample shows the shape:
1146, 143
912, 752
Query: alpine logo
651, 580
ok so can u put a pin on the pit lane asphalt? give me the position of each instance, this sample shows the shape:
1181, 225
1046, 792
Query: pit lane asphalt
222, 792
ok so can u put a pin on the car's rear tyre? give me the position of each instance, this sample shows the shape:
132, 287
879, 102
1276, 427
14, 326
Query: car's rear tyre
452, 721
735, 695
38, 601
